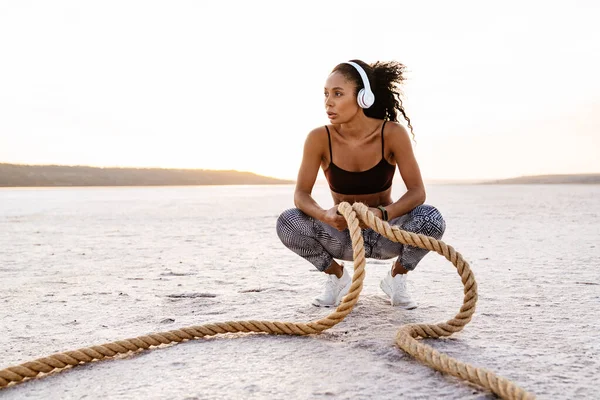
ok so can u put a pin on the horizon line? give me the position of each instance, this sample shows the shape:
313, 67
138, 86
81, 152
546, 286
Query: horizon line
318, 180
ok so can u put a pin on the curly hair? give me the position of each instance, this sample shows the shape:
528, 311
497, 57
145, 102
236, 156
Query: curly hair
385, 79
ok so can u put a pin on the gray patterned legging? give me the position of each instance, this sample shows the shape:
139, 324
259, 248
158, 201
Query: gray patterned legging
319, 243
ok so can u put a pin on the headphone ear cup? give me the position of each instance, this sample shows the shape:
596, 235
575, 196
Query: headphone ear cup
360, 98
365, 99
368, 99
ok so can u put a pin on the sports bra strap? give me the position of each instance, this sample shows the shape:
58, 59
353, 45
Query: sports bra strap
330, 153
382, 150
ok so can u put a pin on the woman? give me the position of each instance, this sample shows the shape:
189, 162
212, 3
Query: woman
359, 152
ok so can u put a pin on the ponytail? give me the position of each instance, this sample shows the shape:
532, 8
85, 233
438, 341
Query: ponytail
388, 77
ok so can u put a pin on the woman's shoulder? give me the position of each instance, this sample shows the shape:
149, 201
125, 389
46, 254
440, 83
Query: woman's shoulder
395, 128
318, 134
316, 141
395, 131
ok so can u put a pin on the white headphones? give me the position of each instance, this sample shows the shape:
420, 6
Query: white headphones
365, 97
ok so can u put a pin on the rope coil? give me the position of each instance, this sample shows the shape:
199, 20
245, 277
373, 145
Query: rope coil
406, 337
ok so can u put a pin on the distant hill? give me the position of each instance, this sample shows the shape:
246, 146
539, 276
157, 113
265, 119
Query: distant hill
13, 175
549, 179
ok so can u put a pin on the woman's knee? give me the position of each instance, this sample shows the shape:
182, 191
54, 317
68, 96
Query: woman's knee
290, 223
428, 220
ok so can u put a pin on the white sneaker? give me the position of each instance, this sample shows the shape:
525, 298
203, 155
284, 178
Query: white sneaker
395, 288
334, 290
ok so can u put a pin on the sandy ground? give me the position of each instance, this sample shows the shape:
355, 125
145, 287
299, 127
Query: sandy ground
81, 267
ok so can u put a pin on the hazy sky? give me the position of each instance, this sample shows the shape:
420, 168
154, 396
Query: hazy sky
496, 89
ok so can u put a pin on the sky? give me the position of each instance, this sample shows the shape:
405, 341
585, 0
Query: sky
494, 89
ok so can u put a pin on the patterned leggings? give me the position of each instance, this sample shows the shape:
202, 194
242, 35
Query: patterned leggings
319, 243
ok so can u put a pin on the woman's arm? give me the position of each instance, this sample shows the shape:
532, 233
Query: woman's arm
307, 175
402, 150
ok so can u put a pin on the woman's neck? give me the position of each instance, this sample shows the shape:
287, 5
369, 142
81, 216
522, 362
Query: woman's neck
358, 127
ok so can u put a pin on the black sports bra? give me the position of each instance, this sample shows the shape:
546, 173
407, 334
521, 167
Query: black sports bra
373, 180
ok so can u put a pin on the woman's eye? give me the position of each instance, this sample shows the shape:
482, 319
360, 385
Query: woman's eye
338, 93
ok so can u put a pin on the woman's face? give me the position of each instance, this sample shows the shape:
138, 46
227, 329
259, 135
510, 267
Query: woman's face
340, 101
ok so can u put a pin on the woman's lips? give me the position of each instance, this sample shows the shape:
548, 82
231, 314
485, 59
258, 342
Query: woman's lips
331, 115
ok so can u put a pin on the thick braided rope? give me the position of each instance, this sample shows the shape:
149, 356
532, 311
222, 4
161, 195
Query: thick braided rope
33, 369
407, 335
405, 338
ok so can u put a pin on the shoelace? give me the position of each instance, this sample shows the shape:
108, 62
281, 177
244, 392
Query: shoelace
401, 283
329, 282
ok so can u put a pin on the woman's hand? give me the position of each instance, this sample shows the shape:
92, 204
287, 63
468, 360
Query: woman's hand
378, 213
334, 219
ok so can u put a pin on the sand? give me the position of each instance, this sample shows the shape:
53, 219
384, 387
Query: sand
80, 267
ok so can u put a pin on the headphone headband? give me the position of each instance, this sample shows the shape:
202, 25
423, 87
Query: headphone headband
362, 74
365, 97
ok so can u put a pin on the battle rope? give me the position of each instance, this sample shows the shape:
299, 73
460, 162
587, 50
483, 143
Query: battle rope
405, 339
